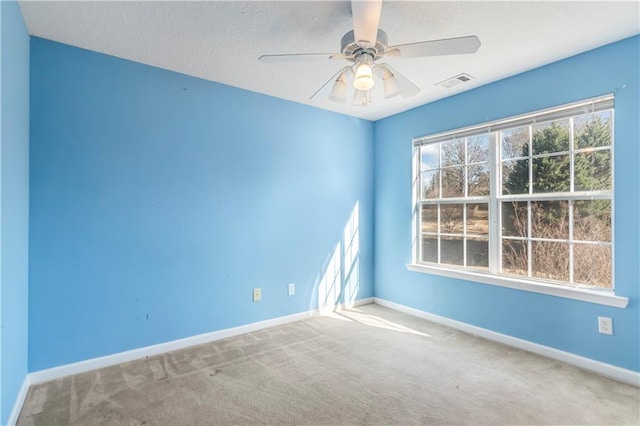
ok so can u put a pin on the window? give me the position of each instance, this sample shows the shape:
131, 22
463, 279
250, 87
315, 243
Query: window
530, 197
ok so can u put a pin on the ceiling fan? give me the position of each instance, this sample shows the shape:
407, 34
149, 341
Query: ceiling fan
364, 46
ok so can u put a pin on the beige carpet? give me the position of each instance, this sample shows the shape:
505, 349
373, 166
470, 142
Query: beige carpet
370, 365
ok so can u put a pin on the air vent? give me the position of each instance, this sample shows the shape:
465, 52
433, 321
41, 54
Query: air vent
454, 81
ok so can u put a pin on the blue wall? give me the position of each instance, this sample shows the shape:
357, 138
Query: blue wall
14, 205
564, 324
158, 201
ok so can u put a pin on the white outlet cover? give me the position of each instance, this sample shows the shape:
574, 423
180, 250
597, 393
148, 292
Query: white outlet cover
292, 289
257, 294
605, 325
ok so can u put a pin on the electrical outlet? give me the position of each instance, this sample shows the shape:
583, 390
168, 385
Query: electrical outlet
605, 325
292, 289
257, 294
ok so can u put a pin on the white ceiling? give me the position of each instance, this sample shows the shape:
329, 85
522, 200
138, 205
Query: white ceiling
221, 41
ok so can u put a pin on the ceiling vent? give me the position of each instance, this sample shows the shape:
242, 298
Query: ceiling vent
454, 81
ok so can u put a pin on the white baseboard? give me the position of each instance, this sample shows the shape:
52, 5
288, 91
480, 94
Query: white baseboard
106, 361
608, 370
118, 358
20, 398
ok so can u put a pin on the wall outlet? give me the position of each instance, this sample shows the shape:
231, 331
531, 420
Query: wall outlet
257, 294
292, 289
605, 325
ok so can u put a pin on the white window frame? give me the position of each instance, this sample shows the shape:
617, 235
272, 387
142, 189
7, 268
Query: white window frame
566, 290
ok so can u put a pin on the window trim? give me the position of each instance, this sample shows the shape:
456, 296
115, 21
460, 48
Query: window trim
585, 106
566, 290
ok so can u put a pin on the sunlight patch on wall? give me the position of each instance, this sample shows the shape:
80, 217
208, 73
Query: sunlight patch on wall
330, 283
351, 242
340, 278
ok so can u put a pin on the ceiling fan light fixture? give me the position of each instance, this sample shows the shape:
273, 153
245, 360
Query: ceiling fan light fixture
364, 75
390, 84
339, 90
361, 98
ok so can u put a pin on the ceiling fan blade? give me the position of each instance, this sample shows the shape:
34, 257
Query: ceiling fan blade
332, 80
366, 17
447, 46
340, 56
407, 88
295, 57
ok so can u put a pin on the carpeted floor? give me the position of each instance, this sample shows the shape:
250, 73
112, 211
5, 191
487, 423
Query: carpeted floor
370, 365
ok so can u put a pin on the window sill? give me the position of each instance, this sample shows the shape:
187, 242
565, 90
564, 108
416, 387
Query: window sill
591, 296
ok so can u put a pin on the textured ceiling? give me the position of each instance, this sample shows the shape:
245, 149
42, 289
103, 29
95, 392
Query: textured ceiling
221, 41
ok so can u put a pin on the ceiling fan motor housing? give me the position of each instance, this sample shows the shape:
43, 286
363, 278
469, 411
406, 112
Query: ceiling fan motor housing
350, 47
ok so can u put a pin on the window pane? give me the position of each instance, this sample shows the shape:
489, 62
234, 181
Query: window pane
478, 252
451, 251
430, 248
592, 171
430, 156
515, 143
478, 180
514, 219
592, 220
592, 265
515, 177
593, 130
452, 153
550, 219
478, 219
430, 185
451, 219
551, 137
551, 174
514, 257
453, 182
550, 260
478, 149
430, 218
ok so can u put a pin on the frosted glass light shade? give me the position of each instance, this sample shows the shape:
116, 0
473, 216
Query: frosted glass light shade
364, 77
361, 98
390, 84
339, 91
